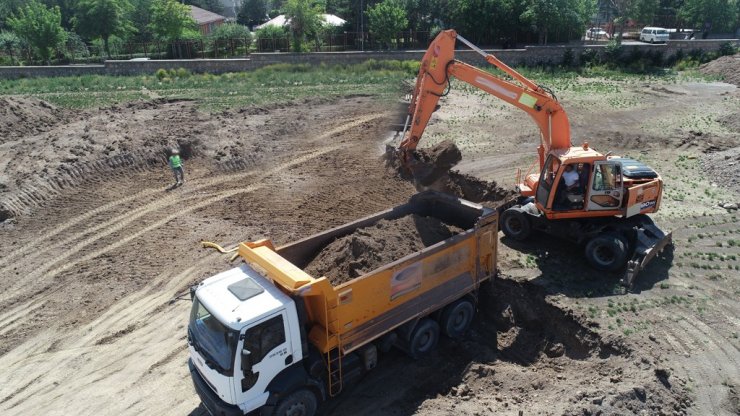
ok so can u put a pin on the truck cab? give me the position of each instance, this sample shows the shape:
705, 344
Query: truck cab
242, 334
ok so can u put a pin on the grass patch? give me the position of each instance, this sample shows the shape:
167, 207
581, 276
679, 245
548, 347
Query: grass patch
271, 84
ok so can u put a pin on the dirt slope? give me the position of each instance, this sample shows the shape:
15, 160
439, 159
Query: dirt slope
727, 67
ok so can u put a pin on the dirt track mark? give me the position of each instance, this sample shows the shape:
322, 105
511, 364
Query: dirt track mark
32, 246
63, 259
120, 222
20, 390
703, 358
34, 194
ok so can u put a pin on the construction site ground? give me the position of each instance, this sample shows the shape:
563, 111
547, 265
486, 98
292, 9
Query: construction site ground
96, 243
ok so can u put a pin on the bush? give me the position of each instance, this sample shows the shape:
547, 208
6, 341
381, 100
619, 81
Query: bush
613, 52
230, 36
726, 48
231, 31
589, 57
161, 74
569, 57
270, 32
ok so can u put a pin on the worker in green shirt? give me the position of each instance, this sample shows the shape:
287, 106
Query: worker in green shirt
176, 165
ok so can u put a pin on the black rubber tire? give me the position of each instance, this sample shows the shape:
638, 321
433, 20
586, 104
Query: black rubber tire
424, 338
607, 252
298, 403
515, 224
457, 317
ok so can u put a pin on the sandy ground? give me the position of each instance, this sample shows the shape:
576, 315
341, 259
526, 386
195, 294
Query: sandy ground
95, 248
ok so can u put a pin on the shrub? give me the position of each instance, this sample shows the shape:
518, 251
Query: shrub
726, 48
271, 31
161, 74
613, 52
656, 57
568, 57
589, 57
232, 31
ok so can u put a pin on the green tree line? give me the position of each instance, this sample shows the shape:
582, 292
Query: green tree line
47, 26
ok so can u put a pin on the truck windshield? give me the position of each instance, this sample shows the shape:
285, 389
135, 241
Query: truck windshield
215, 341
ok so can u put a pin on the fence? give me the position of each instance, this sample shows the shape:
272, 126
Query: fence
80, 53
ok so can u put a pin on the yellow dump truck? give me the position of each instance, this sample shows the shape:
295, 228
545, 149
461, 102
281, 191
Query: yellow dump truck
266, 335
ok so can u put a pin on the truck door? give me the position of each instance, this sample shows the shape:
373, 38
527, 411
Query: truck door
263, 352
606, 187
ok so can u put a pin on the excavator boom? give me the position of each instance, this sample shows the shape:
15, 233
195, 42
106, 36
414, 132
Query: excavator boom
439, 65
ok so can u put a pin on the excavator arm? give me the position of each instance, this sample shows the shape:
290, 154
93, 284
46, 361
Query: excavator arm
439, 65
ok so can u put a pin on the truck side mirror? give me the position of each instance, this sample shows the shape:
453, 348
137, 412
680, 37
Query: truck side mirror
246, 361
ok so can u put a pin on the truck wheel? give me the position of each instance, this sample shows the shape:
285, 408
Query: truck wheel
606, 252
299, 403
515, 224
424, 338
457, 317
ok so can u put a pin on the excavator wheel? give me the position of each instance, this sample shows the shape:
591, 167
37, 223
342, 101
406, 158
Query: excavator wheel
607, 252
515, 224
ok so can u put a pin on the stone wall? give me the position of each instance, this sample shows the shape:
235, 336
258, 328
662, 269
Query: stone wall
531, 55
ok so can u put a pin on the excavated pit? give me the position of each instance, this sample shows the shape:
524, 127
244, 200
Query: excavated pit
368, 248
530, 327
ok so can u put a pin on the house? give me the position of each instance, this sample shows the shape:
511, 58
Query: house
207, 21
281, 20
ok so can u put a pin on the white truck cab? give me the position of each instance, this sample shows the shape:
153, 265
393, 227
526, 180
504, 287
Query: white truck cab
243, 332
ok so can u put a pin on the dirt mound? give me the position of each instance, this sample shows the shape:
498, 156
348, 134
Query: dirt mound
731, 121
369, 248
431, 170
728, 67
22, 116
723, 168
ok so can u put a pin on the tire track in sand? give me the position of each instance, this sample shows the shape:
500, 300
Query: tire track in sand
28, 250
157, 205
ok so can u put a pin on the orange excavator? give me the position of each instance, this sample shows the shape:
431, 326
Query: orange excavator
578, 194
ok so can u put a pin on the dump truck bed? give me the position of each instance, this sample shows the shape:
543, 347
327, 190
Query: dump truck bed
361, 309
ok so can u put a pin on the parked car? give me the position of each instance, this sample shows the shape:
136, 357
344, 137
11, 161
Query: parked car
596, 33
654, 34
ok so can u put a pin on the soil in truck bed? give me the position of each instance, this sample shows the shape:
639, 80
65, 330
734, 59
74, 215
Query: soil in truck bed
368, 248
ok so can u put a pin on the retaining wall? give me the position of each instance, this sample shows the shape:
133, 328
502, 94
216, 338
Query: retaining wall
531, 55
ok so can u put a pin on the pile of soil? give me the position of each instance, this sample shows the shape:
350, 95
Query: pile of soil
23, 116
723, 168
368, 248
728, 67
432, 170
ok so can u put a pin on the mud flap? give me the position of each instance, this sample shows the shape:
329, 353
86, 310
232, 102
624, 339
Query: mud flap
649, 242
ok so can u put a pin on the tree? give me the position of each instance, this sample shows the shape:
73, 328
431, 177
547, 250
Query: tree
386, 19
710, 15
40, 27
305, 20
170, 19
140, 18
552, 16
102, 19
252, 12
8, 8
9, 42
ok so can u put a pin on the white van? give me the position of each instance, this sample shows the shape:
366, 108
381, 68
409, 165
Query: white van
654, 34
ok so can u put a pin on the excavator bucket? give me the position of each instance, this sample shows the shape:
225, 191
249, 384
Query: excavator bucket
426, 167
650, 241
